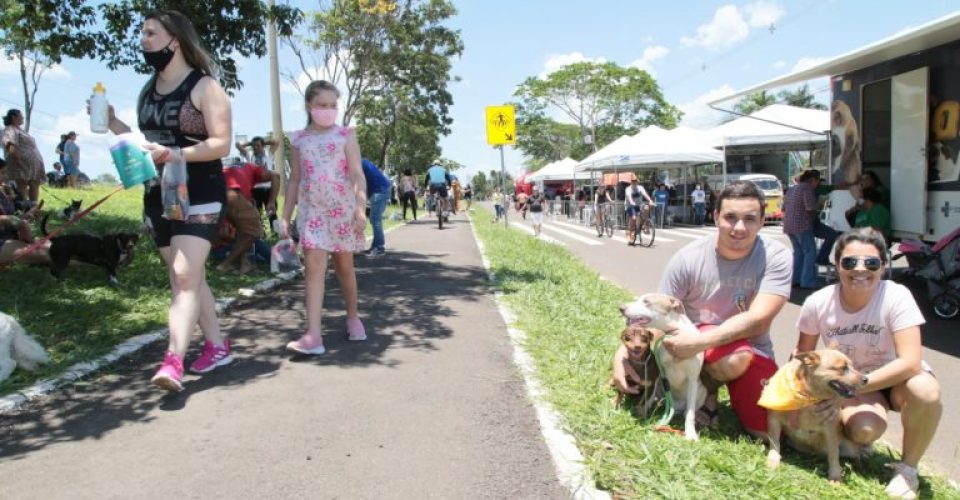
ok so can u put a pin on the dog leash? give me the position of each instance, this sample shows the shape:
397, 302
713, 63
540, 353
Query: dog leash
50, 193
39, 243
668, 393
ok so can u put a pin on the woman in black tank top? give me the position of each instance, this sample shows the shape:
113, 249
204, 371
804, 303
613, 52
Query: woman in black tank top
185, 113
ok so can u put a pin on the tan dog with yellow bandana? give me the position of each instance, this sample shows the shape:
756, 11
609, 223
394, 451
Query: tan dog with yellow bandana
804, 401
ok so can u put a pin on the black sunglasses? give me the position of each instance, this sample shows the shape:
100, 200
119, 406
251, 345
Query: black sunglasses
871, 263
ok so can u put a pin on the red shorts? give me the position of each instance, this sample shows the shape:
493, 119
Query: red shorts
745, 390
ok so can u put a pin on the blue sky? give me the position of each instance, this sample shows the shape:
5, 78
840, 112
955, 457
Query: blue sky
697, 50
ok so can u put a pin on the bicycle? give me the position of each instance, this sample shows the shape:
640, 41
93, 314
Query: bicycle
606, 221
440, 204
644, 229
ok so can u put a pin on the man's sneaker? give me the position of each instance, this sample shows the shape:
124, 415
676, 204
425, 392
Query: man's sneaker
905, 482
170, 374
355, 330
308, 344
377, 252
212, 356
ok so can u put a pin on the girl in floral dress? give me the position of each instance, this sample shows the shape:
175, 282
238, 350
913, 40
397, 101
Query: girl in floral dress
326, 181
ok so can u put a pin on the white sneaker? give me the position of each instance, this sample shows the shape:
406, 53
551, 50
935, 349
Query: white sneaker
905, 482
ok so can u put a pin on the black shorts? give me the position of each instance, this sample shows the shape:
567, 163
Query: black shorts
206, 226
439, 188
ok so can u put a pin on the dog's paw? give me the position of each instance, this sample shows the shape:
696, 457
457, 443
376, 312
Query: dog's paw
691, 435
773, 459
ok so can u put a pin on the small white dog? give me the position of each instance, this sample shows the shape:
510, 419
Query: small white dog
18, 348
656, 310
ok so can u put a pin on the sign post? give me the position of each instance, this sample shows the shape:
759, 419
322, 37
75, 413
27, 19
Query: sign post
502, 130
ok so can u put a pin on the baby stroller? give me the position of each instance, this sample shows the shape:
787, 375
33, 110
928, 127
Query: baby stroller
939, 268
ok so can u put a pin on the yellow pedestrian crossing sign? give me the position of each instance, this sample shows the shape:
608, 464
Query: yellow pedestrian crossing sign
501, 126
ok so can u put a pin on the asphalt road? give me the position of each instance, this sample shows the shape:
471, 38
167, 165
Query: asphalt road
431, 406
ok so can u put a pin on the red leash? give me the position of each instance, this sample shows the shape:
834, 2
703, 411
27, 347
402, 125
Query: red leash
23, 252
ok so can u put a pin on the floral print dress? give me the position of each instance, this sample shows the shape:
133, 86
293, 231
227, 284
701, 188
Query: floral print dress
326, 200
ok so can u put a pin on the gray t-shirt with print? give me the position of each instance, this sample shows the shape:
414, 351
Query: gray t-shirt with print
714, 289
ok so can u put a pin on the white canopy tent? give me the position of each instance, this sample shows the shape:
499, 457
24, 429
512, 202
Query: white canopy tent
777, 127
657, 148
562, 170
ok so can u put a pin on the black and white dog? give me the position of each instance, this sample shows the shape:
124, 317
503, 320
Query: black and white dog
109, 251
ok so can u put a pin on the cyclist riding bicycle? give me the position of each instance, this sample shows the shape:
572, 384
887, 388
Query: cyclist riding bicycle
601, 196
437, 181
636, 195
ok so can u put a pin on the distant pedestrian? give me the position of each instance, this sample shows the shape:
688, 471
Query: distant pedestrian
661, 196
24, 163
699, 204
408, 195
799, 214
71, 159
497, 204
378, 190
261, 157
468, 195
536, 201
327, 182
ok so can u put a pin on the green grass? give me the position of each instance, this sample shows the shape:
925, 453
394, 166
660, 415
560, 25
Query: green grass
82, 316
572, 322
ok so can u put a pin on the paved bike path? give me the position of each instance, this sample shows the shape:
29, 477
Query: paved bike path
430, 406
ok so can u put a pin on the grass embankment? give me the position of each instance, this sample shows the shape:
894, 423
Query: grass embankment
83, 316
572, 323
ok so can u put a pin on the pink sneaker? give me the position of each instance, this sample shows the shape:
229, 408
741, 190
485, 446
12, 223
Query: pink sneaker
212, 356
170, 374
355, 330
308, 344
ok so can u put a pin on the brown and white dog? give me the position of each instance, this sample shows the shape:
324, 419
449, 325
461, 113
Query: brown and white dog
845, 140
666, 313
803, 400
641, 367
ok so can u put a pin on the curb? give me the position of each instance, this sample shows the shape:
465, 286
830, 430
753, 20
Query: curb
567, 459
15, 400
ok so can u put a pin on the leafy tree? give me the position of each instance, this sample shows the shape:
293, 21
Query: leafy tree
802, 97
227, 28
602, 100
754, 102
479, 185
39, 34
393, 60
496, 180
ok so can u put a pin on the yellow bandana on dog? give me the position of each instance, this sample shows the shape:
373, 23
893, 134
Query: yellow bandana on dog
781, 393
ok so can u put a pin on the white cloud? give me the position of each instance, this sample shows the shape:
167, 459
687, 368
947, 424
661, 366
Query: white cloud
650, 54
557, 61
731, 24
763, 14
727, 28
779, 64
11, 67
697, 114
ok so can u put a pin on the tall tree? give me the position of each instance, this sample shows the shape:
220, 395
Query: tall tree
802, 97
479, 185
754, 102
227, 28
39, 34
396, 67
600, 100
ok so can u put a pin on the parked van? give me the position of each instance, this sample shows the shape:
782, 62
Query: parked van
768, 184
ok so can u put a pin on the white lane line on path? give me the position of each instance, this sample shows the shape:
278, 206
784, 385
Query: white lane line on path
621, 239
568, 234
567, 459
529, 230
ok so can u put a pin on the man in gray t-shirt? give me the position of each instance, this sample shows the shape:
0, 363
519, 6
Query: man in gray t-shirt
732, 286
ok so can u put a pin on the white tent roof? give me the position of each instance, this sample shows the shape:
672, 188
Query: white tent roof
777, 125
935, 33
658, 148
614, 148
562, 170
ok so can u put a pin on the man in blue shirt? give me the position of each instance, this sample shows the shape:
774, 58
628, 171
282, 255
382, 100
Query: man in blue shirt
437, 181
378, 192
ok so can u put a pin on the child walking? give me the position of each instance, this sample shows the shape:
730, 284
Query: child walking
326, 181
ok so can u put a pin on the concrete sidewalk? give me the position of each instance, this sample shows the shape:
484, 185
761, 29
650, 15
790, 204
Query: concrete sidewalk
430, 406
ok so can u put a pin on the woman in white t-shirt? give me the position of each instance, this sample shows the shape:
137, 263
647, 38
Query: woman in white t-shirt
877, 324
